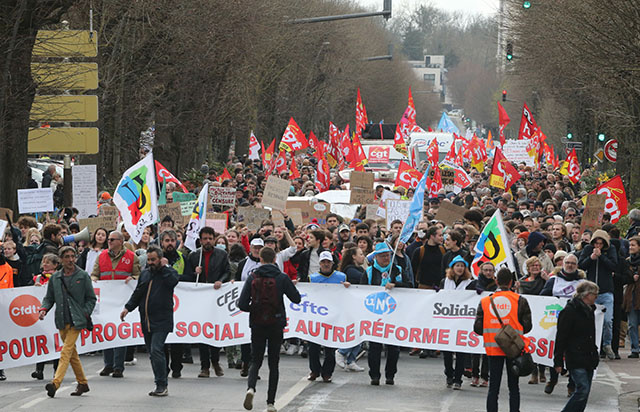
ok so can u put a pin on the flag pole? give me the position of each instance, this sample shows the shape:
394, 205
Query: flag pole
204, 215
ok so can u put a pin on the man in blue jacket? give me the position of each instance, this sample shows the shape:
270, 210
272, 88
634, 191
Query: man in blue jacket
153, 297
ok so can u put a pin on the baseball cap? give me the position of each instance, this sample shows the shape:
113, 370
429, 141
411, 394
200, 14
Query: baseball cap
271, 239
257, 242
326, 256
343, 227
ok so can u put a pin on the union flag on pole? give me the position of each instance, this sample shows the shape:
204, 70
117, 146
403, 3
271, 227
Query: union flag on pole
225, 175
313, 141
268, 154
407, 176
616, 203
528, 125
323, 174
361, 114
573, 167
434, 184
358, 152
399, 141
333, 154
163, 173
254, 147
503, 121
503, 174
493, 246
293, 139
346, 148
432, 153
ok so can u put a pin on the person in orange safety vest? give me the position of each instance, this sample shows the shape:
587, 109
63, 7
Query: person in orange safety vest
513, 310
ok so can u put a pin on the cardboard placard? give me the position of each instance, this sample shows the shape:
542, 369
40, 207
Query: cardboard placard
3, 213
309, 210
361, 185
294, 214
85, 189
187, 207
252, 217
397, 209
94, 223
219, 225
3, 227
386, 195
174, 210
371, 212
450, 213
223, 196
111, 211
448, 176
183, 197
35, 200
593, 211
275, 193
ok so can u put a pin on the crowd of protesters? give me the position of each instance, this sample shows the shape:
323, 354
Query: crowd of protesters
542, 214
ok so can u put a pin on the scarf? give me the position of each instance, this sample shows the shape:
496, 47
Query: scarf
383, 270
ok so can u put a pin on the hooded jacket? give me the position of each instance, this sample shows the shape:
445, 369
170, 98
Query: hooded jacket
284, 286
153, 297
600, 270
576, 337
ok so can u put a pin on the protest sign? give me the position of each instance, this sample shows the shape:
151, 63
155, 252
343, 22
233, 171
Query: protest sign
516, 152
397, 209
219, 225
3, 227
84, 184
276, 193
35, 200
309, 210
450, 213
173, 210
4, 211
593, 211
252, 217
371, 212
361, 186
386, 195
110, 211
94, 223
222, 196
186, 208
183, 197
294, 214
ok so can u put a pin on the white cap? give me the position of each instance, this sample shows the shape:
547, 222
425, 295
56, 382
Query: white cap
326, 256
257, 242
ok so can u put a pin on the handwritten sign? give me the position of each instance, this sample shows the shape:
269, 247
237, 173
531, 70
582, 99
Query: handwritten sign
276, 193
173, 210
186, 208
85, 189
252, 217
35, 200
371, 212
593, 211
4, 211
94, 223
450, 213
223, 196
386, 195
183, 197
361, 185
219, 225
397, 210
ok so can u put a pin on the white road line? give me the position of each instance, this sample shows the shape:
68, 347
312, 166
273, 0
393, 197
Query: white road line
292, 393
24, 389
36, 401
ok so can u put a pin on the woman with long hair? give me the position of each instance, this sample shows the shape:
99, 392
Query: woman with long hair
90, 254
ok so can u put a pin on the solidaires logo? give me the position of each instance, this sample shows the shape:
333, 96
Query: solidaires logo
550, 318
24, 309
380, 303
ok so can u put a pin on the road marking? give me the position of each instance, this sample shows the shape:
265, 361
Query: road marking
24, 389
36, 401
292, 393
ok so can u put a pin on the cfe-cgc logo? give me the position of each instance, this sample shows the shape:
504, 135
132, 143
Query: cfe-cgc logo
380, 303
24, 309
550, 318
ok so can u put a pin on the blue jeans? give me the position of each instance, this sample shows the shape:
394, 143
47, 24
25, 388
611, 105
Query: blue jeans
606, 299
634, 318
578, 401
114, 357
351, 354
154, 341
496, 364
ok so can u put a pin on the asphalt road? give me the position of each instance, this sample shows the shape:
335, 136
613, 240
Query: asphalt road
420, 386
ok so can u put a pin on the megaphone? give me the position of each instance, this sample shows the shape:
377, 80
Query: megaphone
78, 237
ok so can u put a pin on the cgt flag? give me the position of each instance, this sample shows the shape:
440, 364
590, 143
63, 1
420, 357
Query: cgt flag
573, 167
493, 246
163, 173
415, 209
293, 139
616, 204
198, 217
503, 174
407, 177
254, 147
136, 197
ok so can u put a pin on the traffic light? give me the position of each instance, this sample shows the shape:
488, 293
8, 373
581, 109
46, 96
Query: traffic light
509, 50
569, 134
526, 4
504, 95
601, 137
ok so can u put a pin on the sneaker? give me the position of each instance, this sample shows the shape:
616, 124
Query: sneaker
292, 350
542, 378
159, 392
117, 373
37, 374
80, 389
340, 361
218, 369
353, 367
457, 386
424, 354
474, 382
414, 352
3, 377
204, 373
238, 365
484, 384
283, 348
303, 351
271, 408
609, 352
468, 372
108, 370
533, 380
449, 383
634, 355
131, 362
617, 356
51, 389
548, 388
248, 399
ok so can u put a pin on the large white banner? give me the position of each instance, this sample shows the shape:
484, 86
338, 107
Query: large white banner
330, 315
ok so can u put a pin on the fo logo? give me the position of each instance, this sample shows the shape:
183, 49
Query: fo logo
24, 310
380, 303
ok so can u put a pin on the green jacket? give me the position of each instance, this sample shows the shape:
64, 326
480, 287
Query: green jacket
81, 302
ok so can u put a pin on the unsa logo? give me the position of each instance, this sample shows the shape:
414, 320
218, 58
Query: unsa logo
24, 309
380, 303
503, 305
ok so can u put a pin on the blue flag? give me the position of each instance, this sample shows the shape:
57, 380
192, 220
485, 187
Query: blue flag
446, 125
415, 209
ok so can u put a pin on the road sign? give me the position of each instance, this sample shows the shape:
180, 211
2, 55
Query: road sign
63, 140
611, 150
599, 154
64, 109
574, 145
66, 43
65, 76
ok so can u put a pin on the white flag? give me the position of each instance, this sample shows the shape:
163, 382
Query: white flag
198, 218
254, 147
136, 197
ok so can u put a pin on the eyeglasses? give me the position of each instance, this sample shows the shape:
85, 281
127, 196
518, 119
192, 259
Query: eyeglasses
112, 239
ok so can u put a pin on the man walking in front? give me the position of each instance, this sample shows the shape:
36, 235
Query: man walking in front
70, 289
153, 297
514, 310
262, 296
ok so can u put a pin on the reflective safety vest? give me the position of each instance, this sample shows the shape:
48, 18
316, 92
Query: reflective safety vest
6, 276
122, 270
507, 304
179, 264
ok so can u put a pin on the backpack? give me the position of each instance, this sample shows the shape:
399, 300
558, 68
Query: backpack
34, 257
265, 304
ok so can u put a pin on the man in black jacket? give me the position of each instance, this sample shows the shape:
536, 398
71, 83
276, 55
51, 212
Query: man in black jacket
208, 264
153, 297
266, 332
576, 343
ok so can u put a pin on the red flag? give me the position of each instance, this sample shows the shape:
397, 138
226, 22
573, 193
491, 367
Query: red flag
434, 184
503, 174
254, 147
333, 151
462, 179
225, 176
451, 154
295, 174
262, 154
616, 203
162, 172
268, 154
407, 176
323, 174
528, 125
346, 148
399, 142
432, 152
361, 114
503, 121
573, 167
358, 152
313, 141
293, 139
281, 162
410, 111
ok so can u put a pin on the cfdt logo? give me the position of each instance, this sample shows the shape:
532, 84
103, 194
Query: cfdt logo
24, 310
380, 303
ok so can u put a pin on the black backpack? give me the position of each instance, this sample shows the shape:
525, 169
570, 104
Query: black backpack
265, 303
34, 257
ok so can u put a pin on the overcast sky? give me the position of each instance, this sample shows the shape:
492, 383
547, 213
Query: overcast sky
485, 7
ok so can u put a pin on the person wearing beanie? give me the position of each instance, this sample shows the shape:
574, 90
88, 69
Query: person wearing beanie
535, 244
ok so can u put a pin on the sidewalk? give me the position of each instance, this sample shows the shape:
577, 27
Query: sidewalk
626, 377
